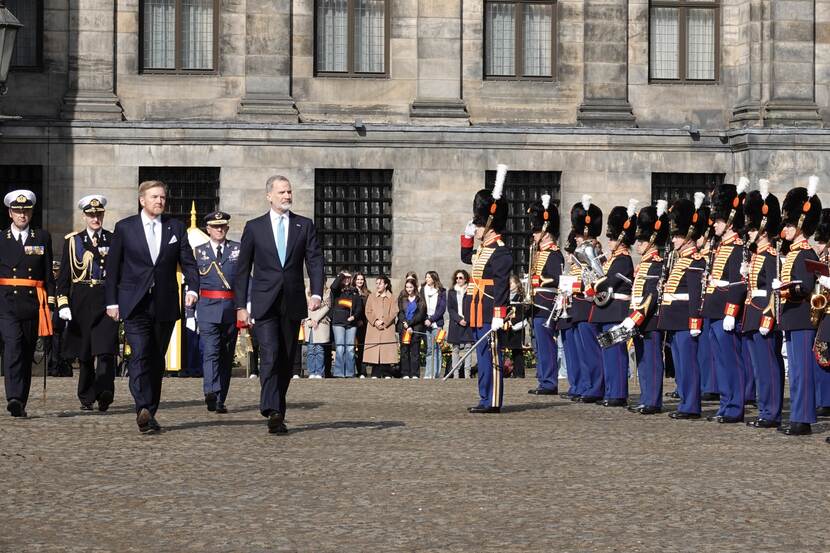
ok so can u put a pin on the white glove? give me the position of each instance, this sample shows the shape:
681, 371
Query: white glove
695, 333
744, 269
190, 323
628, 323
566, 283
763, 330
729, 323
824, 281
497, 323
776, 284
470, 230
65, 313
518, 326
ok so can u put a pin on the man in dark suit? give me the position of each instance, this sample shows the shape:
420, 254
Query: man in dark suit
27, 289
274, 248
141, 288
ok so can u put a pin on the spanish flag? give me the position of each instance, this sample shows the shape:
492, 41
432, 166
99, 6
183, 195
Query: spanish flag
345, 303
407, 337
440, 337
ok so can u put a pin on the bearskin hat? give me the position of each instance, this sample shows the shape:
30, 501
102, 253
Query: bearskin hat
570, 242
653, 221
586, 218
483, 208
762, 207
687, 221
622, 223
822, 233
727, 203
801, 205
544, 211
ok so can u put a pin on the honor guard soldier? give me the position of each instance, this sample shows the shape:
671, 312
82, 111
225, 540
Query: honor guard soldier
215, 311
649, 277
570, 284
27, 289
801, 211
612, 297
586, 221
679, 314
762, 213
488, 292
91, 335
723, 298
819, 312
705, 353
545, 268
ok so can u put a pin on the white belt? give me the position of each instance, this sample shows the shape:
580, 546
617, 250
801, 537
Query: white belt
759, 293
675, 297
719, 283
624, 297
637, 300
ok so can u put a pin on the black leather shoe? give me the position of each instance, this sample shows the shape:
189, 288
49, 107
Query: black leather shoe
649, 410
588, 399
543, 392
15, 407
276, 424
154, 424
710, 396
104, 400
566, 395
479, 409
763, 423
617, 402
680, 415
823, 412
673, 395
722, 419
751, 402
143, 419
221, 409
827, 440
86, 407
210, 401
635, 408
796, 429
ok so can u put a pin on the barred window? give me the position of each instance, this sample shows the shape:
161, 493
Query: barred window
27, 177
520, 39
673, 186
522, 188
28, 48
351, 37
353, 214
684, 42
179, 35
185, 186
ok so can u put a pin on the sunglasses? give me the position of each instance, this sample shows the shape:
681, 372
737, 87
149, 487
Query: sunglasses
460, 278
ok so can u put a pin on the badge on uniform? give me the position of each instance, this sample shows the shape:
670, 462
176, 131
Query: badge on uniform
34, 250
103, 250
234, 254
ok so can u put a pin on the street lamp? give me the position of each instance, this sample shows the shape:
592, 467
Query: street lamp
9, 25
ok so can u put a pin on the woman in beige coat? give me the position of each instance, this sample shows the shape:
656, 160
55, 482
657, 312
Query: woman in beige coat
381, 346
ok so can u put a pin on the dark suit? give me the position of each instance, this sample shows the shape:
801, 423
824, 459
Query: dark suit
20, 306
277, 296
147, 296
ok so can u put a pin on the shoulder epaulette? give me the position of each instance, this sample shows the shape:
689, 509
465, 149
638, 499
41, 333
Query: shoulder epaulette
499, 242
71, 234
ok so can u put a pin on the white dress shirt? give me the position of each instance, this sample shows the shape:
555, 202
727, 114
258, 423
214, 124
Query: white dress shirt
277, 219
215, 246
16, 233
148, 234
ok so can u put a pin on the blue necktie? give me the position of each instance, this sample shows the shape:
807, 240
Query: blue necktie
281, 240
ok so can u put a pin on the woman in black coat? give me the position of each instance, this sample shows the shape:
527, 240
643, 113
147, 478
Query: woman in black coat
412, 311
459, 335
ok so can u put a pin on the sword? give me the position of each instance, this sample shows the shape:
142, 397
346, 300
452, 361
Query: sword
466, 355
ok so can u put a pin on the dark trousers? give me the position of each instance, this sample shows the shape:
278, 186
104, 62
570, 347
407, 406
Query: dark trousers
765, 352
802, 369
517, 357
570, 343
706, 360
749, 373
96, 375
218, 346
547, 367
490, 376
615, 368
591, 374
729, 363
686, 370
277, 338
148, 339
649, 351
19, 340
411, 357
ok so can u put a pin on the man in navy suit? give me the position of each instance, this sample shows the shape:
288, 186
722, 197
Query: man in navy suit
141, 288
274, 248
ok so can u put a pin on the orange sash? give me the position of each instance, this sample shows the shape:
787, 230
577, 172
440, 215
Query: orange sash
44, 323
477, 301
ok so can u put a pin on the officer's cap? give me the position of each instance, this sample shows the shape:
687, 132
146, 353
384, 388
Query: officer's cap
217, 219
94, 203
20, 199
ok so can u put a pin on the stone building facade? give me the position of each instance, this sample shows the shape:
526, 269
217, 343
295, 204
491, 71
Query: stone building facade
606, 115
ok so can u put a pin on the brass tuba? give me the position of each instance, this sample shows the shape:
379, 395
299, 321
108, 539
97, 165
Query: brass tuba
592, 271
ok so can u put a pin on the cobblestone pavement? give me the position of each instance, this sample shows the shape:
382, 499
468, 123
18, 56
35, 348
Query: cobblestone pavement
379, 465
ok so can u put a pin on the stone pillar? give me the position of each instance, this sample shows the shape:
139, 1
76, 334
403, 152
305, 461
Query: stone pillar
91, 91
750, 28
792, 94
268, 45
438, 98
605, 59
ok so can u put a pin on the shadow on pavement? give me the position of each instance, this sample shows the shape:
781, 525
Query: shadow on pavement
531, 407
165, 405
335, 425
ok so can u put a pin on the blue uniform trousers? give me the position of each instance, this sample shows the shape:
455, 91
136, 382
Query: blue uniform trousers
802, 367
769, 373
19, 339
729, 363
615, 368
490, 378
218, 345
570, 343
547, 369
649, 351
686, 370
822, 387
590, 359
749, 372
706, 360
